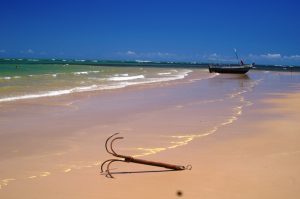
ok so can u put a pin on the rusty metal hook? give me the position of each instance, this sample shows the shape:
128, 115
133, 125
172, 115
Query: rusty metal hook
129, 159
111, 151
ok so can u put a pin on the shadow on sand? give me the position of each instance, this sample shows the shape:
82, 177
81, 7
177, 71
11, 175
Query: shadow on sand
139, 172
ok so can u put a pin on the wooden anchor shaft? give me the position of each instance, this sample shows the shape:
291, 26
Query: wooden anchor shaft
153, 163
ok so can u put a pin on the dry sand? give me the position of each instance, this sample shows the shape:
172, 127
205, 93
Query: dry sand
255, 154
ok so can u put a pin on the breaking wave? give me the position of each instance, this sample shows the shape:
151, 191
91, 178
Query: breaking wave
125, 78
114, 82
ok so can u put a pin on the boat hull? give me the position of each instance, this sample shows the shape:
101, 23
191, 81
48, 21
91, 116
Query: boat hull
228, 69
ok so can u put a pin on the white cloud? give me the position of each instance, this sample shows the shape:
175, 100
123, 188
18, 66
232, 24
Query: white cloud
147, 55
28, 51
158, 54
271, 56
164, 54
292, 57
211, 57
2, 51
130, 52
214, 57
274, 58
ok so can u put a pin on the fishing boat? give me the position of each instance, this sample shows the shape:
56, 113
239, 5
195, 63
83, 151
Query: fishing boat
239, 68
234, 69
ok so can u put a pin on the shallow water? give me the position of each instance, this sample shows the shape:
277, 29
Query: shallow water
29, 81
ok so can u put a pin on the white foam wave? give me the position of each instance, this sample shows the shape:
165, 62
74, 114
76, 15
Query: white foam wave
125, 78
96, 78
164, 73
85, 72
49, 93
32, 96
143, 61
181, 75
8, 78
171, 78
81, 73
95, 87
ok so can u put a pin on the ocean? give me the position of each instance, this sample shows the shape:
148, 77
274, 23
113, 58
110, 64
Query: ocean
22, 79
29, 79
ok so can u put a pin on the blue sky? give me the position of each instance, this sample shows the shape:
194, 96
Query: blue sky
185, 30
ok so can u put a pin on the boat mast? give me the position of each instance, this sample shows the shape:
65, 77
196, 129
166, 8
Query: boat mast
237, 57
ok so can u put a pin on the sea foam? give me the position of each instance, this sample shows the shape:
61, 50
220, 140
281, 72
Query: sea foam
85, 72
125, 78
120, 82
164, 73
81, 73
50, 93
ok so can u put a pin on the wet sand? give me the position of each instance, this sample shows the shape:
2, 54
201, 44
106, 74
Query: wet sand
240, 133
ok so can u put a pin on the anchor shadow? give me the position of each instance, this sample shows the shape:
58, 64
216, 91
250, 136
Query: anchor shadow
138, 172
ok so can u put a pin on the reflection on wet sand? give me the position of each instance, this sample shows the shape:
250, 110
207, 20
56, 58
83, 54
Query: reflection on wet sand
181, 140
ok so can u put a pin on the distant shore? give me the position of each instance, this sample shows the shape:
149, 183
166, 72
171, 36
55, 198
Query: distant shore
141, 63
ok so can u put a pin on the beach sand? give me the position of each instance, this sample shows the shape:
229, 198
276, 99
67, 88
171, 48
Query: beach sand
240, 134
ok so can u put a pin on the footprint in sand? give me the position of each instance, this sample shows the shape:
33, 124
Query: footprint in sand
31, 177
4, 182
45, 174
67, 170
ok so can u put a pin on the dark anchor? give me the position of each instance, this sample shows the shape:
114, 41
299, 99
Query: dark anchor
130, 159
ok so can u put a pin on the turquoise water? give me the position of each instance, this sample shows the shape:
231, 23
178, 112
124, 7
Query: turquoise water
23, 80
